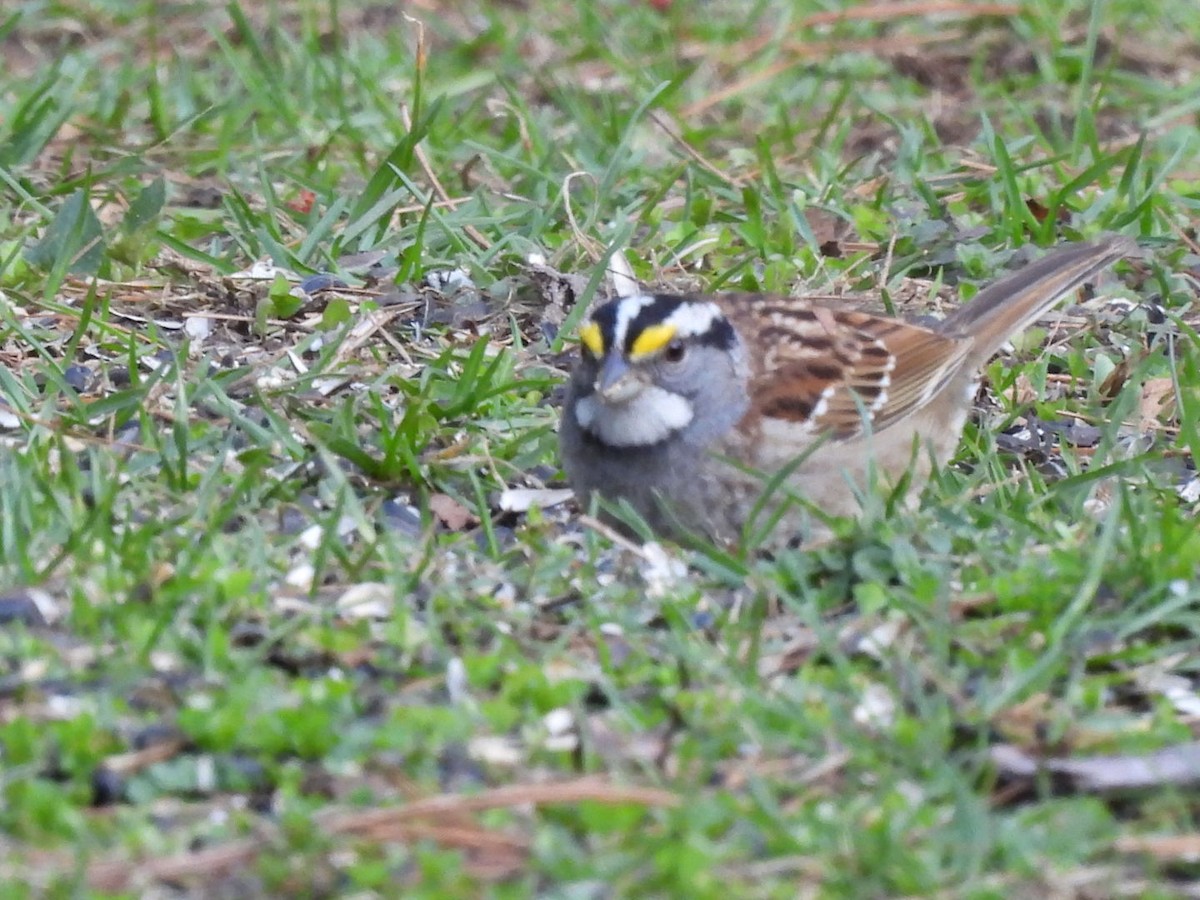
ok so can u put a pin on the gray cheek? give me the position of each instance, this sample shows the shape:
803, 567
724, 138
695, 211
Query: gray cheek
715, 383
713, 376
689, 380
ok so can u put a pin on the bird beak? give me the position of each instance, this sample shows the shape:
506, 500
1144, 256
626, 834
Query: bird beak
614, 382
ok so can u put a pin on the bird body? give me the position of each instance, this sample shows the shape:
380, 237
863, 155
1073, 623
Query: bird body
689, 407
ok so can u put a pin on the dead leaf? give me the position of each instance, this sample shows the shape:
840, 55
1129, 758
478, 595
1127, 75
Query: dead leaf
367, 600
451, 513
1165, 848
1177, 766
1023, 392
1157, 404
829, 230
1041, 212
1027, 722
1115, 380
560, 290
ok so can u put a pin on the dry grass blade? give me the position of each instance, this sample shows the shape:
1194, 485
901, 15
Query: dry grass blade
137, 760
884, 12
807, 52
596, 790
390, 824
672, 131
423, 158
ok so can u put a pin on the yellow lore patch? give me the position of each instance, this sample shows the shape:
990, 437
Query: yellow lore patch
591, 337
652, 339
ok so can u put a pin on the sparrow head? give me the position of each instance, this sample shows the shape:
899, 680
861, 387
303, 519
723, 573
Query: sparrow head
649, 362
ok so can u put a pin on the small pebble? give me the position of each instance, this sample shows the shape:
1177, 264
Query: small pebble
292, 520
108, 787
8, 419
449, 281
153, 735
314, 284
78, 377
401, 517
19, 609
247, 634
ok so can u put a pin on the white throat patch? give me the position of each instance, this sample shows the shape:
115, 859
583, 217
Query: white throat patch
648, 418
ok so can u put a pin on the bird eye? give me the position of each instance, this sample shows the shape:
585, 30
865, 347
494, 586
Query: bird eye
675, 351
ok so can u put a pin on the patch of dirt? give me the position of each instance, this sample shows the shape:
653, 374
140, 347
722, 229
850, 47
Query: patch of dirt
950, 71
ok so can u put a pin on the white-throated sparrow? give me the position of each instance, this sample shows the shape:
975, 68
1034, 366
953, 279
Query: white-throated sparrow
706, 412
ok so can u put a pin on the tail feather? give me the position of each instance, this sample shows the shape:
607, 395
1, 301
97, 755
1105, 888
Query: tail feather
1012, 304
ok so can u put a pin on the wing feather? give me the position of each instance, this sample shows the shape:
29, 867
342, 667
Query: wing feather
838, 372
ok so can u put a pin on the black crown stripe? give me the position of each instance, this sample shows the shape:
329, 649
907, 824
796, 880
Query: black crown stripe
720, 334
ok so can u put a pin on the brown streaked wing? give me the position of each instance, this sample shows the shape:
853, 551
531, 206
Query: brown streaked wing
828, 367
803, 362
926, 361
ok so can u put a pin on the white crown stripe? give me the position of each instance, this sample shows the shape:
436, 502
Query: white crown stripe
627, 311
694, 319
689, 318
